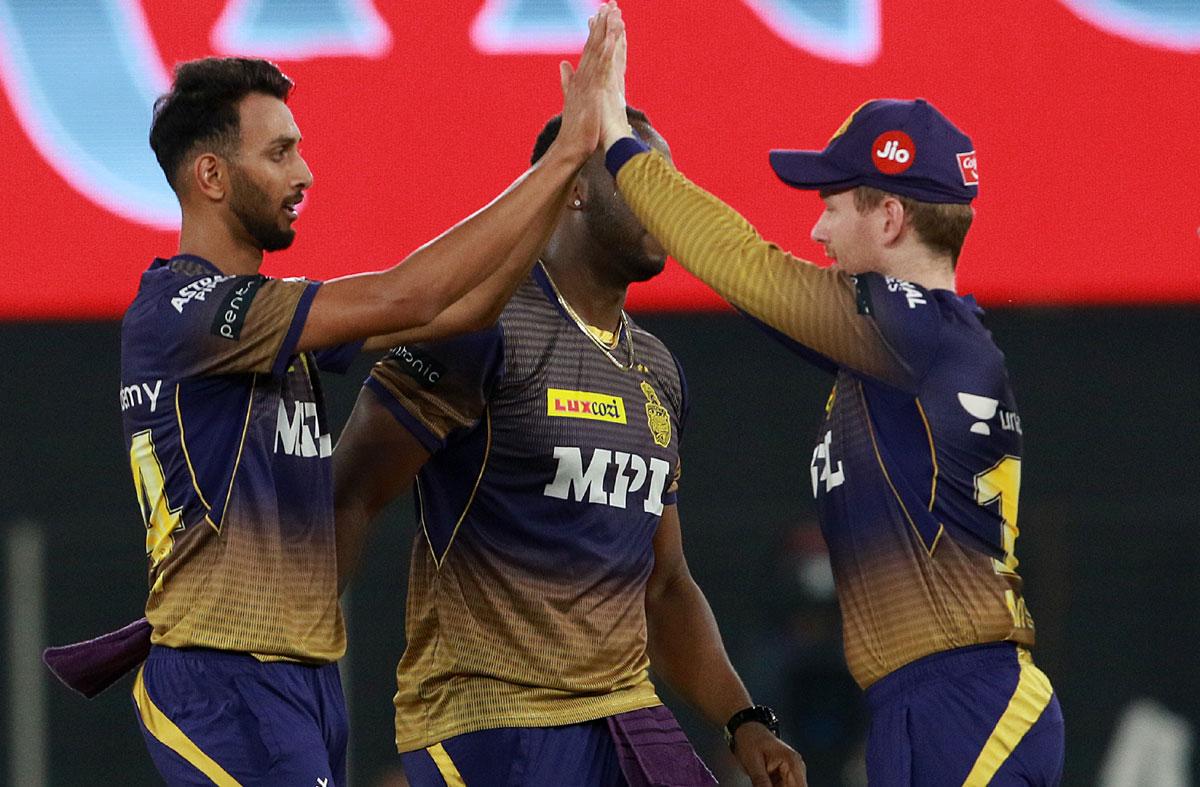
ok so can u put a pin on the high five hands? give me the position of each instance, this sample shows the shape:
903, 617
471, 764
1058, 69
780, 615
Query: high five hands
585, 89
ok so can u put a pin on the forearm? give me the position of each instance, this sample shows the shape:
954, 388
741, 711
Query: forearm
686, 651
498, 241
814, 306
353, 527
480, 307
419, 289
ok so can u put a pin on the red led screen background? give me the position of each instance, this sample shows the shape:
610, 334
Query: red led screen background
1086, 143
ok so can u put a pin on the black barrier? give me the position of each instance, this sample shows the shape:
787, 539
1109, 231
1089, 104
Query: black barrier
1109, 544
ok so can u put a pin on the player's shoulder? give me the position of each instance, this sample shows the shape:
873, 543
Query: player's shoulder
176, 284
657, 361
650, 343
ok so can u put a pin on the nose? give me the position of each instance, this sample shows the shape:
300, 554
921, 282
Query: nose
305, 177
818, 233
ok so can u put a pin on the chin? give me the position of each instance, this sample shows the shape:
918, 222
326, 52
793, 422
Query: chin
647, 267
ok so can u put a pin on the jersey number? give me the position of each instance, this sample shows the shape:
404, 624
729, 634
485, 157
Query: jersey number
1001, 484
151, 486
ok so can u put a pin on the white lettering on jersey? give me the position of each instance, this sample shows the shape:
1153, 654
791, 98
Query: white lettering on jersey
300, 434
572, 481
912, 294
985, 408
822, 455
131, 395
196, 291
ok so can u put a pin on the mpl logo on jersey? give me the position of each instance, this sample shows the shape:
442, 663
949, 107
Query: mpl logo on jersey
300, 433
631, 473
563, 403
893, 152
969, 168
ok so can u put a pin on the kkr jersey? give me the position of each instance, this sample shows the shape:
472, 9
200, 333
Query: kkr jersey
225, 430
917, 465
549, 472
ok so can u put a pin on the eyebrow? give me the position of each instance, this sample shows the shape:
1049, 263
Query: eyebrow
285, 140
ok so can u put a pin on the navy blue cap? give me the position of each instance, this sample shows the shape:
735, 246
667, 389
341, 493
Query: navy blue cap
903, 147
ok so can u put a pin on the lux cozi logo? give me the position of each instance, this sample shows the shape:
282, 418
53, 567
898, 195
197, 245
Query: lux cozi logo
563, 403
595, 484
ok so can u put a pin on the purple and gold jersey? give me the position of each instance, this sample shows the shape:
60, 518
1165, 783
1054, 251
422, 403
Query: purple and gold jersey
227, 440
917, 465
550, 468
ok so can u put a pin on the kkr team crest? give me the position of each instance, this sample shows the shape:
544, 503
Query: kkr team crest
657, 417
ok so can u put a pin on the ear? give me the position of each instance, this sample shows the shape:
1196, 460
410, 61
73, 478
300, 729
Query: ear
578, 197
891, 212
211, 175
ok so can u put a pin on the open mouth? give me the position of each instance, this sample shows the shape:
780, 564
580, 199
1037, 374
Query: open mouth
290, 206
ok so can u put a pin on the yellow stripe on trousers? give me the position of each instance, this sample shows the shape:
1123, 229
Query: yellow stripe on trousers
1024, 709
445, 766
166, 733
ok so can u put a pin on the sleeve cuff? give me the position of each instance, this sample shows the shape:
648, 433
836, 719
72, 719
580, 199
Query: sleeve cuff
430, 441
621, 151
288, 348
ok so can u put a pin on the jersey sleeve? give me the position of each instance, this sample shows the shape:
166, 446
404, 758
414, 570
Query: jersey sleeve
829, 313
338, 359
434, 388
214, 325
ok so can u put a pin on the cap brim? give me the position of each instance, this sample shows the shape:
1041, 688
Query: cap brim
807, 169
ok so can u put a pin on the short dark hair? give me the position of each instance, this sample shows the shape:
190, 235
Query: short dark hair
941, 226
202, 106
550, 132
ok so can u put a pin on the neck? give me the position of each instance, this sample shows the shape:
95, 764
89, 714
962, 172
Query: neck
579, 277
933, 272
217, 243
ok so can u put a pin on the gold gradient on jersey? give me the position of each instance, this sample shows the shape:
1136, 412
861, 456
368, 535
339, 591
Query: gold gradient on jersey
542, 629
254, 570
251, 589
491, 645
903, 595
261, 335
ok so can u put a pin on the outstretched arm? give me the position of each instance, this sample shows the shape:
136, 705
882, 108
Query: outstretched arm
376, 460
817, 307
502, 239
686, 650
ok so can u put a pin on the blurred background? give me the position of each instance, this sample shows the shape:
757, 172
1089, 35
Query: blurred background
1084, 252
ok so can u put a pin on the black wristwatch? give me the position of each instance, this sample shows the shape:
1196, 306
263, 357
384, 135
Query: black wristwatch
759, 713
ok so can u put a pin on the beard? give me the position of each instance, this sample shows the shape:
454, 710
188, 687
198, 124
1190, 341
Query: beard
258, 216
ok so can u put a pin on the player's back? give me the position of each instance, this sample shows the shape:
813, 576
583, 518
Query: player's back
225, 430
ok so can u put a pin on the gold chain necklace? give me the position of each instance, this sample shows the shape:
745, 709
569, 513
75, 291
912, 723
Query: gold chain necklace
622, 329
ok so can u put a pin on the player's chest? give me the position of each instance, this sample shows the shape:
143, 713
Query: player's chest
580, 422
289, 413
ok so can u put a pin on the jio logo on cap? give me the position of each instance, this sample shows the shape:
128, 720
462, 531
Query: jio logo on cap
893, 152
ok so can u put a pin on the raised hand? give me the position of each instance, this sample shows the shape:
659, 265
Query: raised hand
614, 120
584, 89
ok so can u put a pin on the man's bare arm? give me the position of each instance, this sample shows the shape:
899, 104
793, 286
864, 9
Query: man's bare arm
375, 461
686, 650
437, 275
